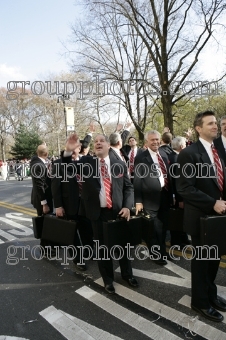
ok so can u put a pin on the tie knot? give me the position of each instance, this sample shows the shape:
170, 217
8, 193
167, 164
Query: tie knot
102, 160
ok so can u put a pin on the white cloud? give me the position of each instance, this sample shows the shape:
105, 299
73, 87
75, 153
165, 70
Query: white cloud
10, 73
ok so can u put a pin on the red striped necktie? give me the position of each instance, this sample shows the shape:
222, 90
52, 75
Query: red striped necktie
164, 170
79, 184
218, 167
131, 161
107, 182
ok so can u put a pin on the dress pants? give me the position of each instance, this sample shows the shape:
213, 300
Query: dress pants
203, 274
160, 224
106, 266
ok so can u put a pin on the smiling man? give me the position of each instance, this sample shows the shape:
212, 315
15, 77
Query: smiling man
203, 195
105, 195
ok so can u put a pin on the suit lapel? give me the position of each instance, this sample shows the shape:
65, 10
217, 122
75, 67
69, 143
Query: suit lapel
205, 159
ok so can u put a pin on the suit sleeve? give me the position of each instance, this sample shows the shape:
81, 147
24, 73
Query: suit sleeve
128, 192
56, 185
124, 136
39, 178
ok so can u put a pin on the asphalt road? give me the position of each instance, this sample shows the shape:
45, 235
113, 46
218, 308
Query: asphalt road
48, 299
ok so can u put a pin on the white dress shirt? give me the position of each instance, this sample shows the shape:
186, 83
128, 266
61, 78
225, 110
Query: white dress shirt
155, 160
102, 195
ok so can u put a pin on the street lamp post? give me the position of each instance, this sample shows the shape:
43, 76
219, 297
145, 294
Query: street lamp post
64, 97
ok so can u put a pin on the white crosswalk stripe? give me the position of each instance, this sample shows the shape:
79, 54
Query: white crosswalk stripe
146, 327
186, 321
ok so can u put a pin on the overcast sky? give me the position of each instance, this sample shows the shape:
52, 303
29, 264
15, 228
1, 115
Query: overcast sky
30, 40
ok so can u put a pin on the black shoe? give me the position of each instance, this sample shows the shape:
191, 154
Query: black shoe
219, 304
211, 313
131, 281
81, 267
110, 289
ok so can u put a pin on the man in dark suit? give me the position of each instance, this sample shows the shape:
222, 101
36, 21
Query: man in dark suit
41, 196
132, 151
106, 194
166, 141
66, 191
220, 142
203, 195
152, 190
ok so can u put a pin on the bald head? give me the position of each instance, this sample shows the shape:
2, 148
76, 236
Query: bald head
42, 151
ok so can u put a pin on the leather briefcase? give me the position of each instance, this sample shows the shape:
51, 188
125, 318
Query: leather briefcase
120, 232
37, 226
213, 232
58, 230
176, 218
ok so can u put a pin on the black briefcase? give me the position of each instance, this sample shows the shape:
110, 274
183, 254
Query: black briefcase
37, 226
176, 218
213, 232
120, 232
58, 230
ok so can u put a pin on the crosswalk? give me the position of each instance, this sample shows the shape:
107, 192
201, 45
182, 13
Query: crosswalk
150, 324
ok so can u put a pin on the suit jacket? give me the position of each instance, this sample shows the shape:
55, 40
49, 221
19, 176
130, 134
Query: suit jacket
122, 189
65, 193
199, 191
41, 189
127, 148
173, 159
167, 149
147, 188
220, 148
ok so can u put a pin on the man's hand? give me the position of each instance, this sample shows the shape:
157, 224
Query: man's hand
60, 212
181, 205
72, 142
92, 127
119, 127
139, 207
166, 129
125, 212
128, 125
220, 206
45, 209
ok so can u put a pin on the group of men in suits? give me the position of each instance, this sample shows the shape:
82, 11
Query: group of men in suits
104, 196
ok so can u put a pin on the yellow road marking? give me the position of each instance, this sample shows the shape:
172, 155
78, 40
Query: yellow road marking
16, 206
19, 208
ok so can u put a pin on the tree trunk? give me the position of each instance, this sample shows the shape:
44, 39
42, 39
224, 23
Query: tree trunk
167, 111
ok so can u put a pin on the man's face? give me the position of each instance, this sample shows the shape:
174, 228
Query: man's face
132, 142
223, 127
153, 142
76, 152
101, 147
208, 131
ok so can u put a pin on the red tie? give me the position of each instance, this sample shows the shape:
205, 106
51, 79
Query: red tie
107, 182
163, 169
219, 171
79, 184
131, 161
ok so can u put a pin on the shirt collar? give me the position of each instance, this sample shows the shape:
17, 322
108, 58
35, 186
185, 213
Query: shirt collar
205, 143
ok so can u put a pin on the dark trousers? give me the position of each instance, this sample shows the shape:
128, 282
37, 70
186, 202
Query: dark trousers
160, 224
203, 274
106, 266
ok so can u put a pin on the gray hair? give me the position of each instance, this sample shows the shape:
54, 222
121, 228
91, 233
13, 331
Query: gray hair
177, 142
222, 118
151, 132
114, 138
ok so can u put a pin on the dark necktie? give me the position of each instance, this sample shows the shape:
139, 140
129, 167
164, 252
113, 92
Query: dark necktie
164, 170
106, 181
79, 184
219, 170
